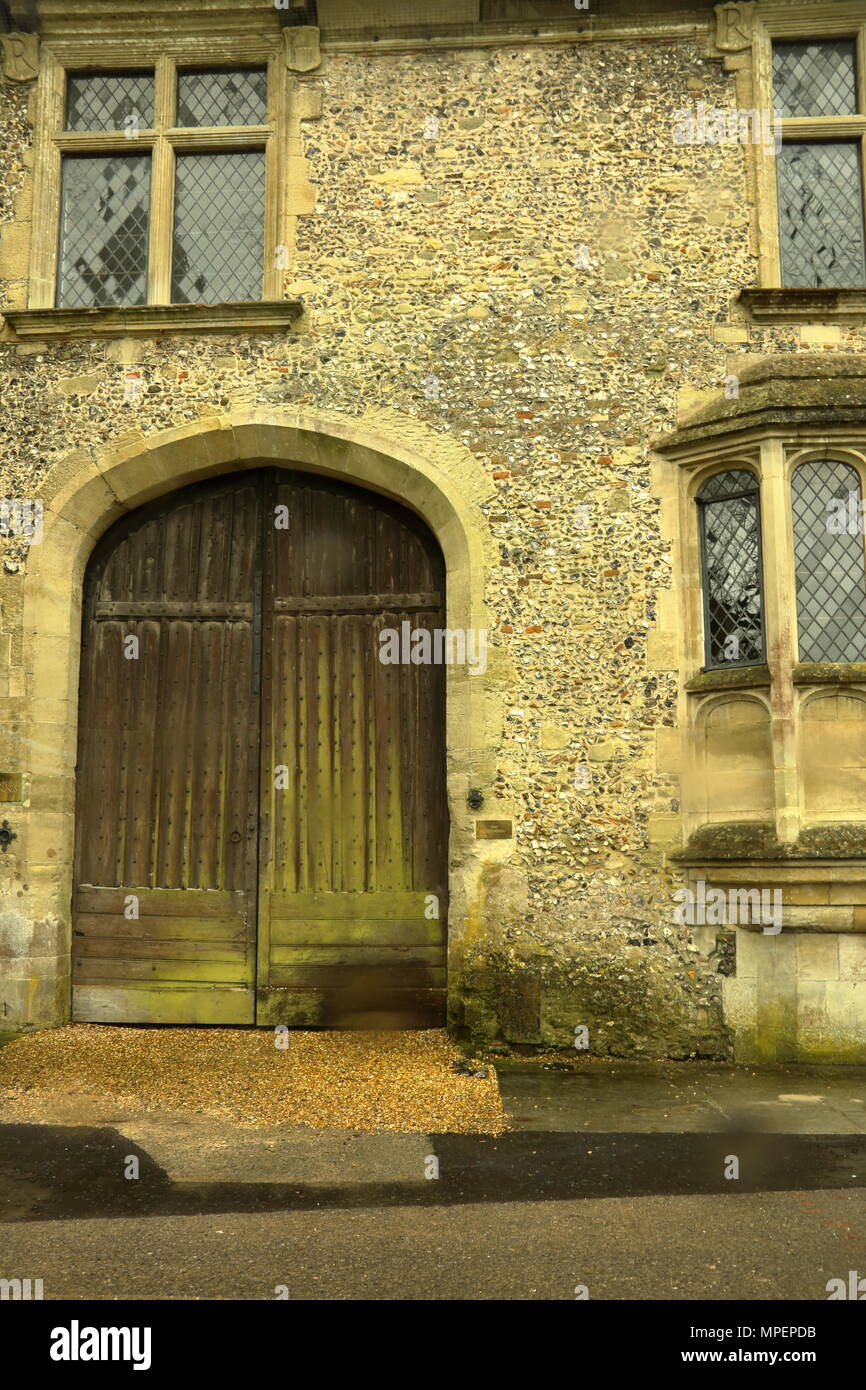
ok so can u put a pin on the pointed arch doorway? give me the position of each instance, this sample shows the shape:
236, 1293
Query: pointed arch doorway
261, 820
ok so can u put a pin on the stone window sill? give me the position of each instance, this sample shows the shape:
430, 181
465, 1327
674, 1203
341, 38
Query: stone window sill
805, 306
148, 320
736, 678
830, 672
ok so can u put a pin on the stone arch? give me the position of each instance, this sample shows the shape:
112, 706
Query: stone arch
86, 491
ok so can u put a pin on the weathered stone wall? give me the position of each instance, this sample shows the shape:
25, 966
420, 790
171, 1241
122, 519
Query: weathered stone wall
508, 247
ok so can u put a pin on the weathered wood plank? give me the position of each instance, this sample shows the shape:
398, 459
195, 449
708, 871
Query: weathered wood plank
92, 968
184, 1004
370, 906
375, 978
358, 603
214, 929
159, 902
156, 948
345, 931
358, 954
142, 769
343, 1008
166, 608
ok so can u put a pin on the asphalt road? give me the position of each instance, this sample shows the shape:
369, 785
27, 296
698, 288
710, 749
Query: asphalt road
528, 1215
620, 1183
747, 1246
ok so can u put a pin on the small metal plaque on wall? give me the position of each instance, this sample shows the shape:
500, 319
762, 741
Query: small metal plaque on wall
493, 830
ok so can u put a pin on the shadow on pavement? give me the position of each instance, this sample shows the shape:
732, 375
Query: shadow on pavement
51, 1172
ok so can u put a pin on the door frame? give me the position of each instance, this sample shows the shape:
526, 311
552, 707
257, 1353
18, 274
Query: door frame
394, 455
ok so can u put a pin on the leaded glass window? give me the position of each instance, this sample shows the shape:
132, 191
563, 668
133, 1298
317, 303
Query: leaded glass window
218, 227
193, 232
109, 101
829, 561
226, 96
819, 168
105, 201
729, 509
815, 79
821, 214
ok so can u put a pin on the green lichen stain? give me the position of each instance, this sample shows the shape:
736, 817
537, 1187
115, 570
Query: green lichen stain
745, 840
629, 1003
829, 672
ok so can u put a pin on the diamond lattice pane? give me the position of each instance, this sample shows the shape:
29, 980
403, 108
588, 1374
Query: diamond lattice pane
821, 215
109, 101
218, 217
815, 79
731, 483
235, 97
732, 569
829, 556
103, 230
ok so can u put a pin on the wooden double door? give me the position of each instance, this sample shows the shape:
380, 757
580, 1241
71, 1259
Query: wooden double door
262, 827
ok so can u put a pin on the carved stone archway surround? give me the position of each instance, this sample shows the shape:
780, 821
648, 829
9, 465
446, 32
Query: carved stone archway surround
85, 492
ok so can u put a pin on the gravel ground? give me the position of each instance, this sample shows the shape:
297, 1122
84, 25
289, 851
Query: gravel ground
345, 1079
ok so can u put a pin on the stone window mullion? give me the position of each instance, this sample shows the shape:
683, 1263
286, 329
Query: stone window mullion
162, 201
162, 179
780, 608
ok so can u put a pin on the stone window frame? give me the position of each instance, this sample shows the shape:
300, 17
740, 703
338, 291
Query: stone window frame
803, 22
784, 683
164, 57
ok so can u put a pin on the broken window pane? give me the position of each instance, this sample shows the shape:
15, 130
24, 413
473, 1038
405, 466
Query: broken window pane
828, 552
821, 215
731, 551
218, 227
105, 203
225, 97
109, 101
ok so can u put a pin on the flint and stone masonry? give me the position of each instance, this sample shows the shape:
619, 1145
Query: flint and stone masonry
498, 291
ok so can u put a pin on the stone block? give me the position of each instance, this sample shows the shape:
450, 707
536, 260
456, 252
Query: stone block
818, 957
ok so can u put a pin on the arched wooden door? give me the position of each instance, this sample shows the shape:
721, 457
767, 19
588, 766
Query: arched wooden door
261, 827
